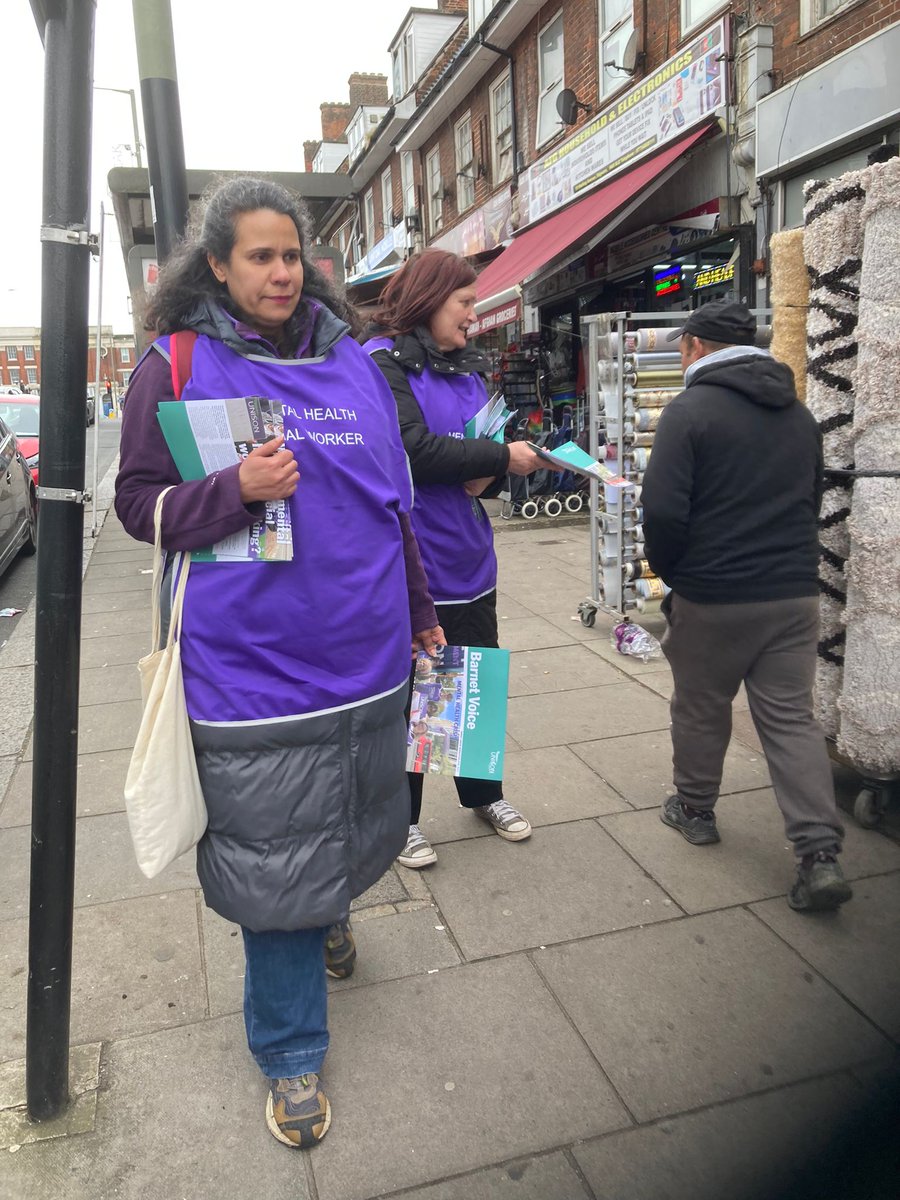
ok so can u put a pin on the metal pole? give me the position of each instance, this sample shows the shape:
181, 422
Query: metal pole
97, 347
129, 92
68, 36
162, 122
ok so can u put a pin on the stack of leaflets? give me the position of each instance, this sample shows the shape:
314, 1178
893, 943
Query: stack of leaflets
457, 720
489, 421
208, 435
570, 457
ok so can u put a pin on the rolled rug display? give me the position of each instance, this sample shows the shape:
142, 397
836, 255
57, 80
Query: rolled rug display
870, 695
790, 301
832, 249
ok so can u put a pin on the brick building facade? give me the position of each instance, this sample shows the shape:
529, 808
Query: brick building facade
20, 358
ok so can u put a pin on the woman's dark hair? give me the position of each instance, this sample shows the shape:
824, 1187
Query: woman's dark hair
187, 277
419, 288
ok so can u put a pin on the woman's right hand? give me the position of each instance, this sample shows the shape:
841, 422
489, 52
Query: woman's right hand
522, 459
269, 472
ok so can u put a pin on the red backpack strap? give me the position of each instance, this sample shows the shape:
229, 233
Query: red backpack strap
181, 352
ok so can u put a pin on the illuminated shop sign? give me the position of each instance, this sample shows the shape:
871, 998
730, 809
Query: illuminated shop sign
711, 276
667, 281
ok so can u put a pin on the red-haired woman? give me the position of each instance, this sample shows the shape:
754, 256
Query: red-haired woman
419, 340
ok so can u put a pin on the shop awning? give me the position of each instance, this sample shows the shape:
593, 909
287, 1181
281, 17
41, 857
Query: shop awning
539, 245
373, 276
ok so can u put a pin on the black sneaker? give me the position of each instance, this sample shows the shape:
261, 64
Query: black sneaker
820, 885
340, 950
699, 829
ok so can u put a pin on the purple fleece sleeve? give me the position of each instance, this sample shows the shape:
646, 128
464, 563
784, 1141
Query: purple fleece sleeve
421, 606
196, 513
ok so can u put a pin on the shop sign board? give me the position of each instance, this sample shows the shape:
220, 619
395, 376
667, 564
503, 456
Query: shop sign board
495, 317
393, 240
713, 276
485, 229
657, 243
687, 89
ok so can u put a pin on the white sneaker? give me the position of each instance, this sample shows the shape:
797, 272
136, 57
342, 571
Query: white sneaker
418, 851
505, 819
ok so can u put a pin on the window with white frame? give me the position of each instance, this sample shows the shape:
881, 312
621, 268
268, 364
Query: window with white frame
125, 354
125, 377
695, 11
435, 186
12, 353
616, 27
14, 375
814, 12
29, 353
387, 199
465, 164
550, 78
501, 129
408, 184
369, 218
31, 375
478, 11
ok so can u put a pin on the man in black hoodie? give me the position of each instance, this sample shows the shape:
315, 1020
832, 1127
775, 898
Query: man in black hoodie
731, 499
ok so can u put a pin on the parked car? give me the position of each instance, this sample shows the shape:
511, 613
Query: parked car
22, 414
91, 411
18, 501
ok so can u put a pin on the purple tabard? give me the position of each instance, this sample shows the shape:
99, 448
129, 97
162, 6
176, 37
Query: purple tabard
329, 629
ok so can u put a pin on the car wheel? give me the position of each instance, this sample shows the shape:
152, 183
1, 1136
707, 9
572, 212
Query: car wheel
30, 544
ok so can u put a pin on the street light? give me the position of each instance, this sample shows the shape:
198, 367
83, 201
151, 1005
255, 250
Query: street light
134, 121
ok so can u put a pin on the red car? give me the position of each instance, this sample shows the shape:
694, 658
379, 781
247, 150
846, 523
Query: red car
22, 415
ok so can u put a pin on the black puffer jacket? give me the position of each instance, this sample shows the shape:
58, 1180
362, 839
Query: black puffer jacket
732, 491
433, 458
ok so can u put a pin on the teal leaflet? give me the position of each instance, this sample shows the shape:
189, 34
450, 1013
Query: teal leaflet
457, 720
208, 435
570, 457
490, 420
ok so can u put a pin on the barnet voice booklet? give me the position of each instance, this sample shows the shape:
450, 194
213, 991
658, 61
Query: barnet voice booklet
457, 722
208, 435
570, 457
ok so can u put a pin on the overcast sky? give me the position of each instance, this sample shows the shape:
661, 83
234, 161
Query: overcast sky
250, 80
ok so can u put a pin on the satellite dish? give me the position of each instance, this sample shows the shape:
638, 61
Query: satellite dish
631, 54
568, 106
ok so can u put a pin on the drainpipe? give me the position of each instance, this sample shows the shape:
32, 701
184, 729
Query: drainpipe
514, 125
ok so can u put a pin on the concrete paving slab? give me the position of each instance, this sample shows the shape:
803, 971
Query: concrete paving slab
167, 1096
388, 890
106, 554
136, 967
589, 713
223, 961
118, 649
509, 609
746, 1150
467, 1098
8, 765
744, 730
105, 867
100, 783
16, 704
115, 602
550, 1177
542, 587
531, 633
114, 572
102, 585
754, 860
108, 726
16, 1129
101, 625
18, 651
101, 685
857, 950
639, 766
565, 668
704, 1009
569, 622
487, 893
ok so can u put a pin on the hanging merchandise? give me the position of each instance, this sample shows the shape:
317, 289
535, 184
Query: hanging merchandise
637, 374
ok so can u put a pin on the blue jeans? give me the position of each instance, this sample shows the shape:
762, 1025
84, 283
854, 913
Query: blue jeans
286, 1001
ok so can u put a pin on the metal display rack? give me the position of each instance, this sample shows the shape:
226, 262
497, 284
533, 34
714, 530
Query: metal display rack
633, 371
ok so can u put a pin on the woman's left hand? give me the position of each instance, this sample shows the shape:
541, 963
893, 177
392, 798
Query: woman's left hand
428, 640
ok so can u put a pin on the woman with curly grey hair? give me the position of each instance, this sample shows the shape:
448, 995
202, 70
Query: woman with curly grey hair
300, 740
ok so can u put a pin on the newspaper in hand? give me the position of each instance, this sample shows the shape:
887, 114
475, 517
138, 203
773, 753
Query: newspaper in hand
208, 435
490, 420
457, 720
570, 457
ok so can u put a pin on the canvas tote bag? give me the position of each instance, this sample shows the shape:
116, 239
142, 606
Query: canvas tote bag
163, 798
